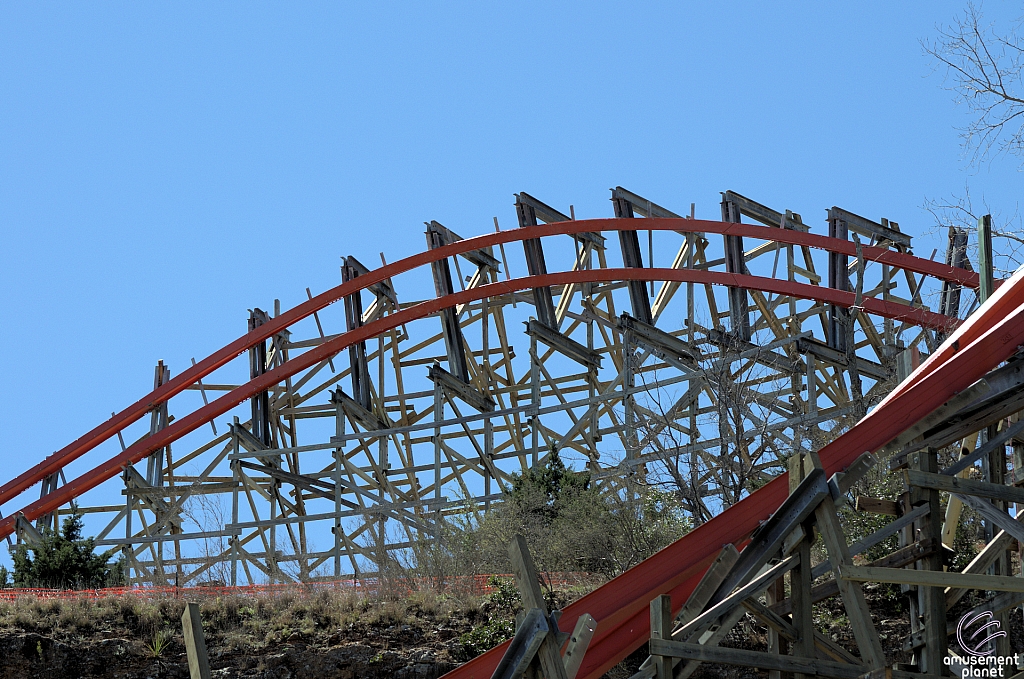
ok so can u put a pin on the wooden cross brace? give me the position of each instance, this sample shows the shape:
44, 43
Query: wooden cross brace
538, 640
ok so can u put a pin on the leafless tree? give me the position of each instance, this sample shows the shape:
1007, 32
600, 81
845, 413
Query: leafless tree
983, 65
1007, 231
671, 429
206, 512
983, 70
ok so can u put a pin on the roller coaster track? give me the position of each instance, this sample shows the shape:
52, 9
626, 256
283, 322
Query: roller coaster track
786, 382
191, 376
620, 607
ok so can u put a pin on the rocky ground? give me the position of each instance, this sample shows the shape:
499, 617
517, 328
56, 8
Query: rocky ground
326, 635
319, 636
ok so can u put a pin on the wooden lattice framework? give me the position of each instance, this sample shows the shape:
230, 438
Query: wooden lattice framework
776, 584
649, 353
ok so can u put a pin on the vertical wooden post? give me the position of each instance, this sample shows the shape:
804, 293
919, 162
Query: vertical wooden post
800, 576
777, 645
195, 642
1016, 480
852, 593
985, 257
931, 600
661, 628
995, 472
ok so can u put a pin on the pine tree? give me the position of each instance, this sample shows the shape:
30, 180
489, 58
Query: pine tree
65, 559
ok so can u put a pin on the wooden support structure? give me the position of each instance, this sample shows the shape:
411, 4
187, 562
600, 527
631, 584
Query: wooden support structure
735, 263
534, 651
435, 411
693, 636
526, 210
195, 642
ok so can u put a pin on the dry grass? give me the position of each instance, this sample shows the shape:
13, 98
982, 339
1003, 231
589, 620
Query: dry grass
236, 620
254, 631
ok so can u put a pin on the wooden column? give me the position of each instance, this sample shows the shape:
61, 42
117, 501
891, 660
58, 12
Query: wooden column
661, 628
852, 593
985, 268
800, 577
195, 642
931, 601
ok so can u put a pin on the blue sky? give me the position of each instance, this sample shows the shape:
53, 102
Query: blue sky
164, 167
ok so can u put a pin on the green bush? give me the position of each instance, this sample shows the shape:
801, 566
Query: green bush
501, 605
65, 559
570, 525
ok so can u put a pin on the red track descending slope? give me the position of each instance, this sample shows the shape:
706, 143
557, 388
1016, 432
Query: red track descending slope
990, 336
190, 376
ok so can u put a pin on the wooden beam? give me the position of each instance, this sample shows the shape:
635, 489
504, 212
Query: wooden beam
709, 639
195, 642
743, 658
531, 630
767, 539
933, 419
578, 643
997, 516
955, 484
985, 258
898, 559
931, 602
764, 661
800, 579
722, 608
877, 506
698, 599
980, 563
875, 538
533, 597
845, 479
713, 577
998, 583
881, 673
661, 628
853, 596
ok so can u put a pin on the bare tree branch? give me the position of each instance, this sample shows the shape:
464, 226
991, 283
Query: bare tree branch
983, 69
1007, 231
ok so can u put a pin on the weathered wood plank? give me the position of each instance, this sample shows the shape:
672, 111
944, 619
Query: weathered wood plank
980, 563
533, 597
195, 642
898, 559
709, 583
661, 628
877, 506
853, 596
578, 643
722, 608
765, 661
997, 583
956, 484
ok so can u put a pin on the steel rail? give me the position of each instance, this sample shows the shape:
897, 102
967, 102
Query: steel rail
217, 407
621, 607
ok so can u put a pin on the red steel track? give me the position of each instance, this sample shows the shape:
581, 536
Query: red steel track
190, 376
198, 418
620, 607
